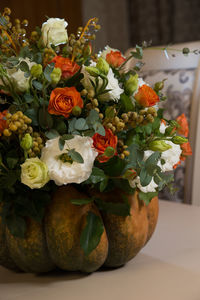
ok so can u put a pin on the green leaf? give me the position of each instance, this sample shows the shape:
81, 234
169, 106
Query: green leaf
38, 85
98, 128
47, 72
110, 112
152, 159
97, 175
45, 119
28, 98
81, 124
81, 201
51, 134
67, 137
61, 143
24, 66
60, 126
32, 113
91, 234
119, 209
145, 178
93, 117
126, 103
114, 167
103, 184
147, 197
16, 225
12, 161
75, 156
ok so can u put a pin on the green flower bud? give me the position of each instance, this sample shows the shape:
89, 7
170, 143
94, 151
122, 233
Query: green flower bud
179, 140
34, 173
26, 142
76, 111
109, 152
131, 84
159, 85
130, 174
56, 75
92, 71
36, 70
159, 145
102, 66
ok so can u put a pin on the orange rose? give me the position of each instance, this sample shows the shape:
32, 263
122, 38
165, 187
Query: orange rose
100, 143
62, 101
183, 129
3, 122
146, 96
68, 67
186, 150
115, 58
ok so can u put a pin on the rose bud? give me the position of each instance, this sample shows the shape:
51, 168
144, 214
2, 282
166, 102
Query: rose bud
102, 66
159, 145
131, 84
36, 70
179, 140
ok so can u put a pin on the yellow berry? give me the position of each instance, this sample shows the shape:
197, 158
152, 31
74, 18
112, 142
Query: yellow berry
13, 127
14, 117
126, 153
7, 132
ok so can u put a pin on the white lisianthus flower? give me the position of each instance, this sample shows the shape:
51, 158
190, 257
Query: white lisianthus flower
151, 187
34, 173
69, 172
162, 128
17, 76
171, 156
54, 32
113, 85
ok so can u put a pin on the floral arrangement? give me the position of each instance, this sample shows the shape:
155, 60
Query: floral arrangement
70, 116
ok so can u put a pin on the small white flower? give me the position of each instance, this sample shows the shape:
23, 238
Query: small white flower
113, 85
64, 172
151, 187
162, 128
17, 76
54, 32
170, 156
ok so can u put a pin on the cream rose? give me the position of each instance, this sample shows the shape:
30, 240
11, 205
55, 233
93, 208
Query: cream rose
34, 173
17, 76
54, 32
69, 172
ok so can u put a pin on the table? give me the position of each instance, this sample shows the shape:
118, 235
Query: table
168, 268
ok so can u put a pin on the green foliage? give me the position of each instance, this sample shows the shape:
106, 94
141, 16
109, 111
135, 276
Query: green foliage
75, 156
82, 201
126, 103
91, 234
147, 197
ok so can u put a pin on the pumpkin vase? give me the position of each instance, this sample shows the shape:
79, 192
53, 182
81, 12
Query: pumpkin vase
56, 241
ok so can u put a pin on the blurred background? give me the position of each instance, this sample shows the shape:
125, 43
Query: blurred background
124, 22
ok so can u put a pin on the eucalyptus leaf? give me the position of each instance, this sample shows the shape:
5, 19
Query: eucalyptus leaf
91, 234
82, 201
51, 134
75, 156
147, 197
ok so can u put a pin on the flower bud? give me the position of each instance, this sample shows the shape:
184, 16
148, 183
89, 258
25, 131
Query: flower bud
130, 174
102, 66
26, 142
92, 71
131, 84
87, 50
159, 86
179, 140
56, 75
109, 152
159, 145
36, 70
76, 111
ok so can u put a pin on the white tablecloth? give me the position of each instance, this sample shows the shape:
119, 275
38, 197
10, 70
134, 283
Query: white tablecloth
168, 268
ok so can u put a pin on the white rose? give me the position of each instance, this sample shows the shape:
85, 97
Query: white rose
170, 156
113, 85
54, 32
151, 187
17, 76
65, 172
34, 173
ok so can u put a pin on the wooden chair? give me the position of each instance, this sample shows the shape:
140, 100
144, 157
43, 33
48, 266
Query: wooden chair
183, 90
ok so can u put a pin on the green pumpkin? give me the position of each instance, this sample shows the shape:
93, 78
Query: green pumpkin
56, 242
